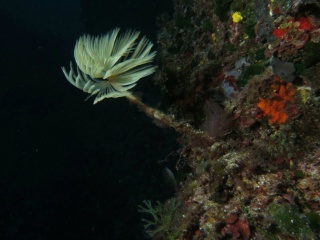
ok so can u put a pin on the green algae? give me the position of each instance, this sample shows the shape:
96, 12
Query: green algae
290, 221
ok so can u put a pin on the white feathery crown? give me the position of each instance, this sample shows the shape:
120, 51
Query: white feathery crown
110, 65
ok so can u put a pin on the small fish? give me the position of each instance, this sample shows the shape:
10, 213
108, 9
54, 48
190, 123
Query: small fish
169, 179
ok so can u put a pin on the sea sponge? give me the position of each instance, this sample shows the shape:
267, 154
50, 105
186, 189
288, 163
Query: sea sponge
110, 65
274, 108
236, 17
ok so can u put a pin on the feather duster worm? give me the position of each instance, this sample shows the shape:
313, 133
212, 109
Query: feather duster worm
110, 65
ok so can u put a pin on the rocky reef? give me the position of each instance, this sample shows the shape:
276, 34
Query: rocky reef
246, 73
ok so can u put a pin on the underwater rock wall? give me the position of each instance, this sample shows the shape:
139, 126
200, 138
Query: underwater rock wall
247, 73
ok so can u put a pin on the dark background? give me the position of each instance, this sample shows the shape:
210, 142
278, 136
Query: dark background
70, 169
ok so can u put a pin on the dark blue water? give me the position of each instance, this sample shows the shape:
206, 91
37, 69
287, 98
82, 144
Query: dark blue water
69, 169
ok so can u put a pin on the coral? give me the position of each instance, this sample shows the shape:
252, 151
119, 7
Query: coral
217, 120
274, 108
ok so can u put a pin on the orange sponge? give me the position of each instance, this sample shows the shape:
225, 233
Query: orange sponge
274, 108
